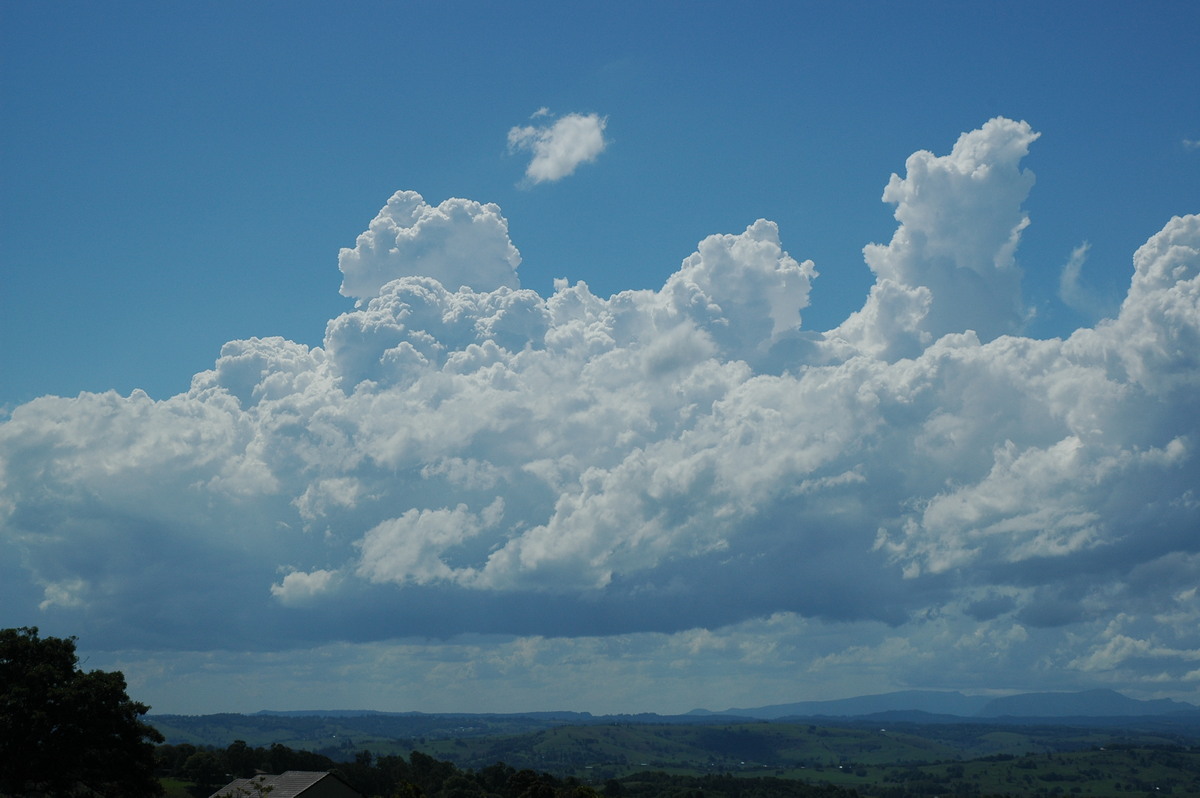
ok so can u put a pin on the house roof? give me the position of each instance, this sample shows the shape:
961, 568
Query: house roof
290, 784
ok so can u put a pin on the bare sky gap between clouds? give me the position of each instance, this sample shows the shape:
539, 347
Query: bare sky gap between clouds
463, 456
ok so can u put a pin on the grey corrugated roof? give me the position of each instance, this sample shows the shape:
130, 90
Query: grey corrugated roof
290, 784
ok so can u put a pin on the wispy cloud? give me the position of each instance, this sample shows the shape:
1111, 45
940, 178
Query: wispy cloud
1076, 293
1070, 290
559, 148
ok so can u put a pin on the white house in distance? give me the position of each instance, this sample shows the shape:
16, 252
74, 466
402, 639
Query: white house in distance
291, 784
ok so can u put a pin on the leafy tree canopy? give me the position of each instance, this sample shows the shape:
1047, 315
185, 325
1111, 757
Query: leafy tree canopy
66, 732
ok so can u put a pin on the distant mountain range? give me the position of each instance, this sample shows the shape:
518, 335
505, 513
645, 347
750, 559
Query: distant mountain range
940, 704
341, 733
945, 704
1085, 704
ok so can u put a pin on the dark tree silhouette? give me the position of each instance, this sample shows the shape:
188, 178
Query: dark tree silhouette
64, 732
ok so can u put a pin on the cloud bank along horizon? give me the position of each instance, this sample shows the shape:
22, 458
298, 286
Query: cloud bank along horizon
470, 481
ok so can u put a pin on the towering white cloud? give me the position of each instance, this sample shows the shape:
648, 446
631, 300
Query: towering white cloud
559, 149
458, 243
950, 266
460, 449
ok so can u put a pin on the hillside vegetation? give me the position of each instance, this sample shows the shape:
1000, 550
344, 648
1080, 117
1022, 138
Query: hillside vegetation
739, 760
189, 772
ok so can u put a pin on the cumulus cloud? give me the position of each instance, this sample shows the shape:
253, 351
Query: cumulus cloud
688, 464
459, 243
559, 148
299, 587
950, 267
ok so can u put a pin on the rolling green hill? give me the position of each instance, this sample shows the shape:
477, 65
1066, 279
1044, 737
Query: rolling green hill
602, 749
631, 759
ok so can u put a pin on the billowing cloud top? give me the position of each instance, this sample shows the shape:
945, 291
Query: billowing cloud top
458, 243
461, 449
950, 266
558, 149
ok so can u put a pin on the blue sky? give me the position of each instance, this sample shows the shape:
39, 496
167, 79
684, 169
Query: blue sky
179, 176
447, 489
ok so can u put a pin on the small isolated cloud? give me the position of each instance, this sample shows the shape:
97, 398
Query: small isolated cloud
560, 147
299, 587
68, 593
1191, 144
